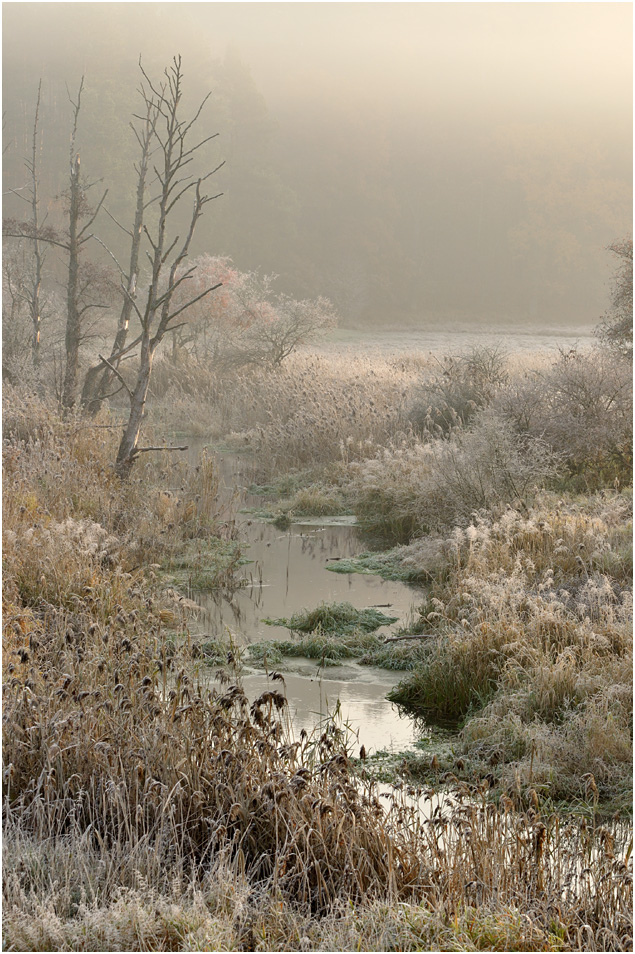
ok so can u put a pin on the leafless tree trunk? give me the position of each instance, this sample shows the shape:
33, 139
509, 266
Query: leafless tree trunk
78, 235
99, 379
77, 238
35, 307
172, 136
31, 287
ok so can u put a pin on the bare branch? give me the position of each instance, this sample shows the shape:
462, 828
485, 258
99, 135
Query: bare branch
162, 447
192, 302
398, 639
122, 227
115, 371
16, 192
104, 246
91, 220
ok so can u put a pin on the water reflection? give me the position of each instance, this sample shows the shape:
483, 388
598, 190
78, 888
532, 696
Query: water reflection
287, 571
313, 695
286, 574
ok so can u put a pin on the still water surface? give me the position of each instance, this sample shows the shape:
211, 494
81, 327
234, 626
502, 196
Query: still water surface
287, 573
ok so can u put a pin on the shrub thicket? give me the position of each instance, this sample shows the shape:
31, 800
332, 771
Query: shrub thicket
459, 387
582, 405
425, 486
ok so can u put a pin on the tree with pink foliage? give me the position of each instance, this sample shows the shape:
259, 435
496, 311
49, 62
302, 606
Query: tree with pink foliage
246, 321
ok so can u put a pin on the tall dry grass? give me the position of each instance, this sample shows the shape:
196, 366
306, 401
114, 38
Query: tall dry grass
145, 810
425, 485
59, 472
313, 412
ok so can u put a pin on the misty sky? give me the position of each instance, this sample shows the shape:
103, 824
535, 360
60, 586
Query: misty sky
377, 144
500, 59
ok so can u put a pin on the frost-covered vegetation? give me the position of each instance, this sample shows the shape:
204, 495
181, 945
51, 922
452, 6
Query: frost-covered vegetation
505, 486
148, 802
145, 810
199, 820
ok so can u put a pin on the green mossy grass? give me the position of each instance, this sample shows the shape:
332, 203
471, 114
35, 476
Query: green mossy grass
334, 618
368, 648
386, 564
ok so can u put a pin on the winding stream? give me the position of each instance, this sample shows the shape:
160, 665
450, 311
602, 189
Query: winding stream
287, 569
287, 573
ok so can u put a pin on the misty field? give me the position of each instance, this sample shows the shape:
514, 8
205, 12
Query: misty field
144, 811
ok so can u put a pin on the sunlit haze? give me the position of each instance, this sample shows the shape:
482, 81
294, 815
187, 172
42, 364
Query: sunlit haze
413, 162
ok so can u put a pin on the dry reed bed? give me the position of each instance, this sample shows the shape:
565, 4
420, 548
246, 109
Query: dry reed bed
127, 783
421, 486
314, 411
320, 410
60, 472
116, 750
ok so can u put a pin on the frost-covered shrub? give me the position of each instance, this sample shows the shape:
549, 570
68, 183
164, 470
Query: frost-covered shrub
459, 388
409, 490
244, 321
583, 407
529, 639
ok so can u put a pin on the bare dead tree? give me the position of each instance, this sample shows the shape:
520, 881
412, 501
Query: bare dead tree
171, 136
99, 379
73, 243
30, 292
38, 254
77, 238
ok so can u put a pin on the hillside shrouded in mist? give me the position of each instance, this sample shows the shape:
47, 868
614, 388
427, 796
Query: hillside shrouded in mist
412, 162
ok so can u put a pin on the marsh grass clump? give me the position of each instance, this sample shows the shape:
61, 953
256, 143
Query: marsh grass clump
331, 649
266, 652
389, 564
531, 643
335, 618
317, 500
282, 521
452, 678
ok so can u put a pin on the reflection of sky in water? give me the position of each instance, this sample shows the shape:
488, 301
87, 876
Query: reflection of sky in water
288, 574
363, 704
